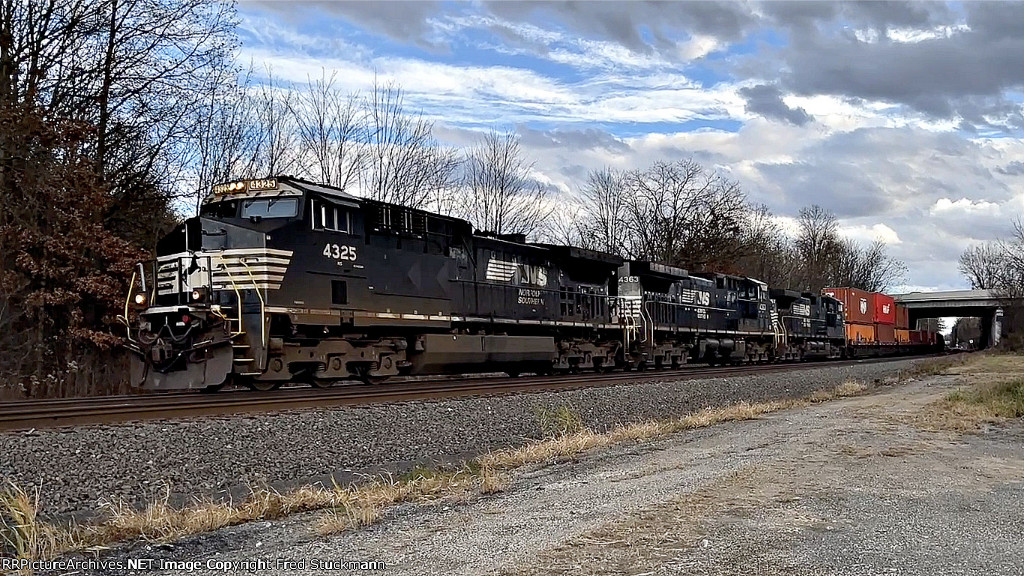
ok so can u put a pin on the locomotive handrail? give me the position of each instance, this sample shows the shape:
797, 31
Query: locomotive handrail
238, 299
649, 322
127, 300
263, 310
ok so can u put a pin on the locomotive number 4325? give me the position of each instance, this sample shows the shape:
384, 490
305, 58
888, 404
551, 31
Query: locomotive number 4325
340, 252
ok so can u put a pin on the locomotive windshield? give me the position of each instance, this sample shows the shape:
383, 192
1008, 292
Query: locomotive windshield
270, 207
227, 209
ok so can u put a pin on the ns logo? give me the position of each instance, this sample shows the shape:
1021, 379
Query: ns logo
505, 271
535, 275
702, 298
697, 297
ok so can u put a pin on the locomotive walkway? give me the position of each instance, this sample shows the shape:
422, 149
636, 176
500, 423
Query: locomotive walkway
34, 414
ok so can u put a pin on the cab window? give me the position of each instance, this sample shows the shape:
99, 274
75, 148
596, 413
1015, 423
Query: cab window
270, 208
327, 216
228, 209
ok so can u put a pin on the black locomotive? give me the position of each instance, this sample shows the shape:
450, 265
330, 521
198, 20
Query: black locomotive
281, 279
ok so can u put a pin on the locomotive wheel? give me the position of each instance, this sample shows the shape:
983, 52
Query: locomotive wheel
322, 383
363, 375
213, 388
264, 385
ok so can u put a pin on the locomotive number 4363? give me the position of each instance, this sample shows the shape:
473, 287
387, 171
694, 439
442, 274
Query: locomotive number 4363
337, 252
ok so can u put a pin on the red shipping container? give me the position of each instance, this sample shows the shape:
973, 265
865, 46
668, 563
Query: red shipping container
858, 306
902, 317
917, 336
884, 307
885, 333
860, 333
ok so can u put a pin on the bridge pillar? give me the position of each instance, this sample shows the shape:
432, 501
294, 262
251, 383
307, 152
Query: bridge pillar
991, 328
986, 331
997, 326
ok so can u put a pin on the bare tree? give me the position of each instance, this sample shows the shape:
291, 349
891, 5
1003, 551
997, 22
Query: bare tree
601, 220
999, 266
868, 268
682, 214
441, 183
827, 259
157, 56
331, 130
983, 265
276, 141
403, 160
565, 226
819, 247
500, 196
767, 253
224, 133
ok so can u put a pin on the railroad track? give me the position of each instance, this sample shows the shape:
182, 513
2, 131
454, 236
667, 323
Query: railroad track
26, 415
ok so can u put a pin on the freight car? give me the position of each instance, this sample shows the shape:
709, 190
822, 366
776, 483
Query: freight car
877, 326
281, 279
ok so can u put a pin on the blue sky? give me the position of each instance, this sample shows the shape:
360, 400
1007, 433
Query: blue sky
905, 119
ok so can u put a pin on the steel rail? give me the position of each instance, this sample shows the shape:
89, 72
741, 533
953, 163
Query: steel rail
25, 415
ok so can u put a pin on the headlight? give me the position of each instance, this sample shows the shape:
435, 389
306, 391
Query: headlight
140, 299
198, 295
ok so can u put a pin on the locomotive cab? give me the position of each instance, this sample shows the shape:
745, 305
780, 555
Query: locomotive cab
220, 296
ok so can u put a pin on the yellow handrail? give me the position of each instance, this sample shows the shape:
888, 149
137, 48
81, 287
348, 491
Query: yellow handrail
238, 299
263, 309
127, 301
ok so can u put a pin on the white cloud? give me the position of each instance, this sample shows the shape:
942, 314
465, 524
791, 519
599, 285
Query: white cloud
913, 35
963, 205
698, 47
503, 94
867, 234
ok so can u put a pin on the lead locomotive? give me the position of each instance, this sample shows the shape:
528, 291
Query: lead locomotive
282, 280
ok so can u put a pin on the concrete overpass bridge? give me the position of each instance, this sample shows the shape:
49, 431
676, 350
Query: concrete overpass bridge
982, 304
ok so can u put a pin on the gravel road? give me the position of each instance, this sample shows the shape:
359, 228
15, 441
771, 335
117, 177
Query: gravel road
851, 487
79, 467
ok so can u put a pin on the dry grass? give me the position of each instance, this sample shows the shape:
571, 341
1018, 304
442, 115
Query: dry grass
23, 535
992, 392
348, 507
559, 421
492, 481
570, 445
969, 408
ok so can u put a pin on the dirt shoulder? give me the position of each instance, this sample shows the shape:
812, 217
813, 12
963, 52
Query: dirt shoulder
851, 487
861, 485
